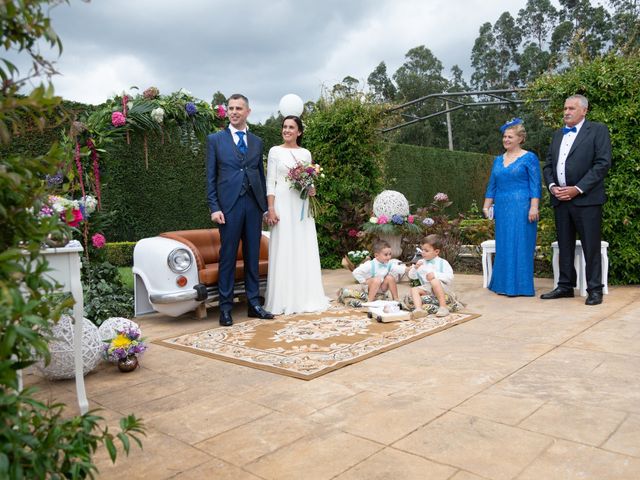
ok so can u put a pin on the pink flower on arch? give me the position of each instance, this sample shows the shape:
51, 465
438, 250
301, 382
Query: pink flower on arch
382, 219
77, 218
410, 218
118, 119
98, 240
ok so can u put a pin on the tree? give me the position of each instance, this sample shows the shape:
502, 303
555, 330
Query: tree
537, 20
218, 98
508, 38
36, 440
347, 88
591, 32
485, 60
342, 133
380, 84
420, 74
625, 20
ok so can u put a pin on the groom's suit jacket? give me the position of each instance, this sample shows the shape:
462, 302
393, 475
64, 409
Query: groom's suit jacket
227, 167
587, 163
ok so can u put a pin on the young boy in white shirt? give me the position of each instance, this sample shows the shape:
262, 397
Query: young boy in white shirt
435, 275
382, 273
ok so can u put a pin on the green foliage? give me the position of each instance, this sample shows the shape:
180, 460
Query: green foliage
421, 172
105, 295
342, 135
126, 275
39, 441
477, 230
612, 85
120, 254
36, 440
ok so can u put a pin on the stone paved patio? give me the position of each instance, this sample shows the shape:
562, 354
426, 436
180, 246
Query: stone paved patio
530, 390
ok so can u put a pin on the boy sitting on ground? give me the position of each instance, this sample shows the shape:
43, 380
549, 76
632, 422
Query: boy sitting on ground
380, 274
435, 275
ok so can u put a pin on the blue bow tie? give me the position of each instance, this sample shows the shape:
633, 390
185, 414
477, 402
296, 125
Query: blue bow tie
566, 130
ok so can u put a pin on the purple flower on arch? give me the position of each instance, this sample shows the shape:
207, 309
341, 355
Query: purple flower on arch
191, 108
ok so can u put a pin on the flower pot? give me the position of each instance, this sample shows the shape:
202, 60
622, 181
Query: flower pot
348, 264
57, 240
128, 364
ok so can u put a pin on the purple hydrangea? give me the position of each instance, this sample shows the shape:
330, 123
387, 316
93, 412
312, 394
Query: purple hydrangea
191, 108
428, 221
397, 219
53, 180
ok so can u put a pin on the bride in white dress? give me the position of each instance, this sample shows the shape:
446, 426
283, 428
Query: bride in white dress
294, 282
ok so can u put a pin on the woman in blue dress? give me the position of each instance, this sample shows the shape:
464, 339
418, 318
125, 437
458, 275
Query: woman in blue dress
513, 197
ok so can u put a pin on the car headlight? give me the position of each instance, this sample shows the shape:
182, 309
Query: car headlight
179, 260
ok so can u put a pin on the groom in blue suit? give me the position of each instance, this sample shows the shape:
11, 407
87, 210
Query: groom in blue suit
237, 198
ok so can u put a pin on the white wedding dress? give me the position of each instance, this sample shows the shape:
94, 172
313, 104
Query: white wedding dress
294, 282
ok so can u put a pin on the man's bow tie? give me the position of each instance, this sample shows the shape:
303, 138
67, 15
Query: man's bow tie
566, 130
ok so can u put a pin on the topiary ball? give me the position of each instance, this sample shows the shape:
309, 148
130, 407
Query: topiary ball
62, 363
389, 203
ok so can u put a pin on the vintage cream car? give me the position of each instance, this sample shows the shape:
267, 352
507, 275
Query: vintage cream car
177, 272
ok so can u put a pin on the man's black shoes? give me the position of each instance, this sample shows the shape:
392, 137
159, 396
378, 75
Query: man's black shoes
225, 319
557, 293
256, 311
594, 298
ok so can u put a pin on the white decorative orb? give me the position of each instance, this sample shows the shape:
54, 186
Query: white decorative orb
107, 330
389, 203
291, 104
62, 363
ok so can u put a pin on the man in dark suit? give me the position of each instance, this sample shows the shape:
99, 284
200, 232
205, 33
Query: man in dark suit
577, 162
237, 199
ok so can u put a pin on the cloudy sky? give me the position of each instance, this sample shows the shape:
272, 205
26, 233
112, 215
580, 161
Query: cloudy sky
262, 49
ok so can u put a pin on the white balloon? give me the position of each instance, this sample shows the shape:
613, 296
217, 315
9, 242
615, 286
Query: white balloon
291, 104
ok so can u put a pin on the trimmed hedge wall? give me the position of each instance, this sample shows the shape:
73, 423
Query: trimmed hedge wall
120, 254
168, 195
421, 172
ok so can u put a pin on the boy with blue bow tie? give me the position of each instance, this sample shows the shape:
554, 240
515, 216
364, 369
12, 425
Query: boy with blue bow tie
435, 275
382, 273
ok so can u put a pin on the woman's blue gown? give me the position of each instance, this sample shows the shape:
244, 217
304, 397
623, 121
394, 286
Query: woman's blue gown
512, 189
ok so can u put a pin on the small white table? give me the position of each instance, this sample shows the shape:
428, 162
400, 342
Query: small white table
65, 269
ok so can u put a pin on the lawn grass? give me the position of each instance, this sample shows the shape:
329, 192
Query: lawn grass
126, 276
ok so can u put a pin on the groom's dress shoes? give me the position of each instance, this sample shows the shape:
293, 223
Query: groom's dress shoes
225, 319
594, 298
557, 293
256, 311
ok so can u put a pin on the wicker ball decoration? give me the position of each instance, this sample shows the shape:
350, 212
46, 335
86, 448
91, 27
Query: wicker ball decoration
389, 203
108, 329
62, 361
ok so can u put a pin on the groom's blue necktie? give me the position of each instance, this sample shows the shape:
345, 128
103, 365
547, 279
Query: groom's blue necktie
566, 130
242, 146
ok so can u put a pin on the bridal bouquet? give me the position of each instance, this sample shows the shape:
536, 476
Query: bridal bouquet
302, 177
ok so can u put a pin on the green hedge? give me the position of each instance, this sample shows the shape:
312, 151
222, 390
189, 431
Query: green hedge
167, 194
421, 172
120, 254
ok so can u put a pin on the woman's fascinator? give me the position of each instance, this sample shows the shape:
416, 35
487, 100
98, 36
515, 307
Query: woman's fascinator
510, 123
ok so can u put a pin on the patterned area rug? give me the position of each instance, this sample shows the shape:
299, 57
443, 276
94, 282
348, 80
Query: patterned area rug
309, 345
